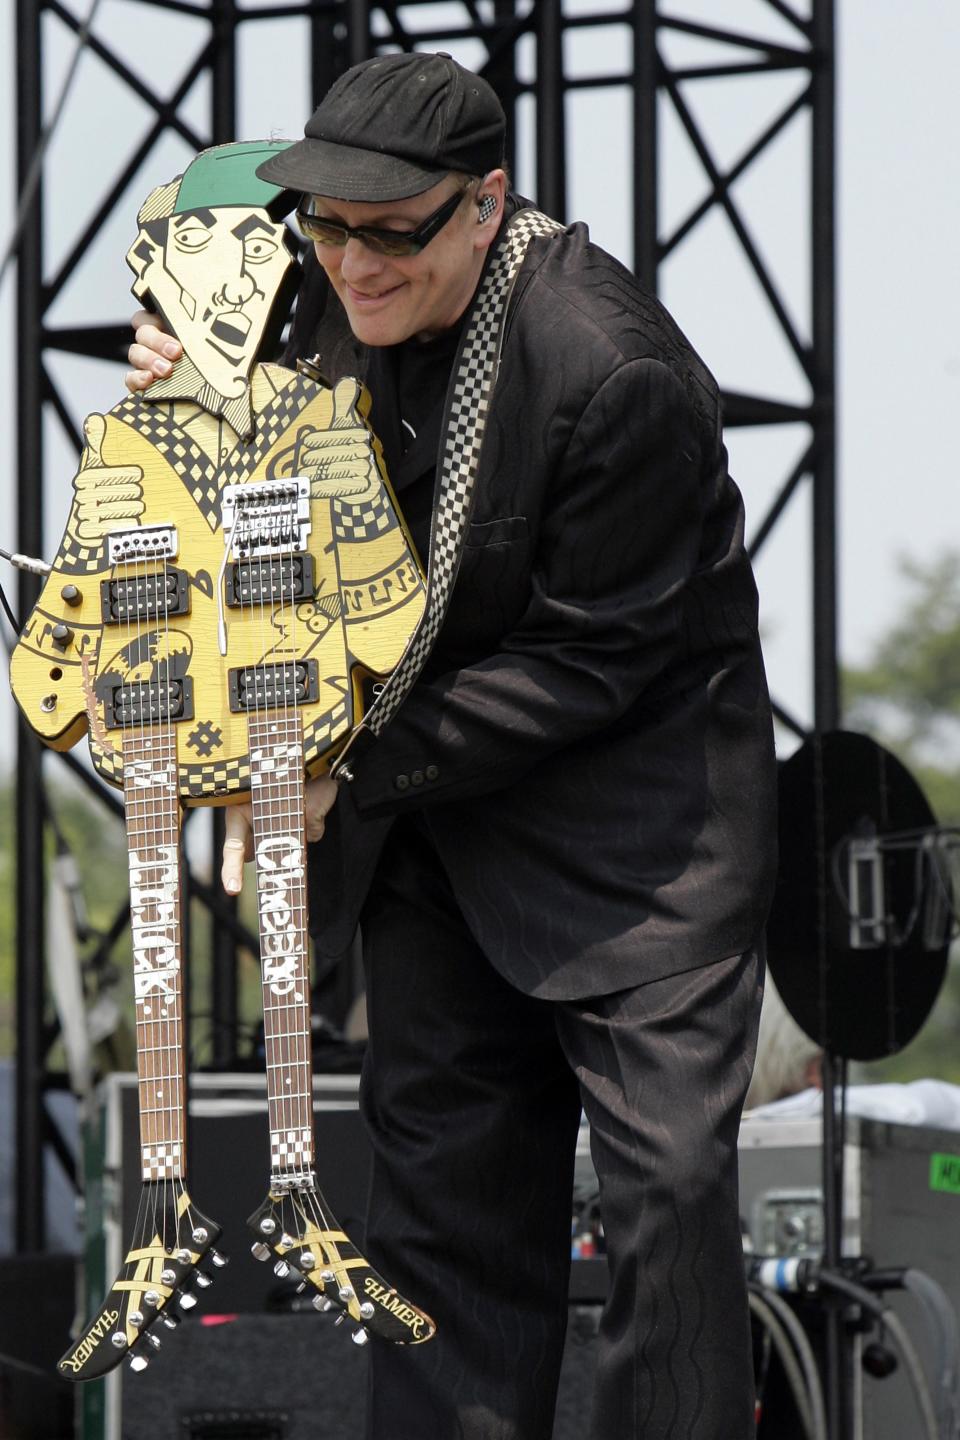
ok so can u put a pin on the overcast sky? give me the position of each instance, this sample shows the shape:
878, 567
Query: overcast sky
899, 282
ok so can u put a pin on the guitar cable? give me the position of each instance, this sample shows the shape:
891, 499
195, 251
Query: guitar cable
19, 562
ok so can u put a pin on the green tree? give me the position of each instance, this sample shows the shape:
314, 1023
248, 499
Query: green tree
908, 698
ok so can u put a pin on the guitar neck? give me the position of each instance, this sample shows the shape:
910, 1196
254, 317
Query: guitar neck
276, 783
153, 845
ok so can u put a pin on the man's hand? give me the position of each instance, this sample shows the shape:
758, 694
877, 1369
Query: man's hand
103, 493
319, 797
153, 352
340, 461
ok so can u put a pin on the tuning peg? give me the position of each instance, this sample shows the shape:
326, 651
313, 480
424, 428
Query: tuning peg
306, 1260
267, 1225
204, 1280
219, 1260
152, 1340
135, 1318
259, 1251
151, 1298
171, 1321
301, 1287
201, 1235
139, 1362
321, 1303
346, 1293
186, 1301
168, 1276
118, 1340
185, 1257
340, 1319
359, 1337
368, 1310
282, 1269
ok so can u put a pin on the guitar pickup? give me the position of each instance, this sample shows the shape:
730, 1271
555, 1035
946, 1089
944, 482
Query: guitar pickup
148, 702
273, 687
274, 581
136, 597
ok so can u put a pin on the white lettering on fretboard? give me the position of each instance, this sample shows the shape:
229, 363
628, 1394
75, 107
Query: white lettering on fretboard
281, 882
276, 763
150, 774
154, 883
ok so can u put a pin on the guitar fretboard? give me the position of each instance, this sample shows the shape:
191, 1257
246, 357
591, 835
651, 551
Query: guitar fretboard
153, 844
276, 782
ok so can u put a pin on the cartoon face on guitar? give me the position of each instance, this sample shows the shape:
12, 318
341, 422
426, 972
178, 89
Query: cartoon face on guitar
213, 260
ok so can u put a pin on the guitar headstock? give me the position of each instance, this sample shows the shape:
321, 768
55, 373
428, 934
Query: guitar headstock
297, 1227
156, 1285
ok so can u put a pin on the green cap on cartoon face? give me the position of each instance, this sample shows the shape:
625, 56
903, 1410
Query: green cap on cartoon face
226, 175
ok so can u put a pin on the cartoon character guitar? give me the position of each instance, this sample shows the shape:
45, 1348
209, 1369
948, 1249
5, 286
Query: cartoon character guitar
234, 577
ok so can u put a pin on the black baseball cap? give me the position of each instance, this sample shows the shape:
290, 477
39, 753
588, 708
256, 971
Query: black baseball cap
392, 127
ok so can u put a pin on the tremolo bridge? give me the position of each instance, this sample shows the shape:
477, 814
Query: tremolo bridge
266, 527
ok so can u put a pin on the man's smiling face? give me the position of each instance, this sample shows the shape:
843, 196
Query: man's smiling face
389, 299
215, 281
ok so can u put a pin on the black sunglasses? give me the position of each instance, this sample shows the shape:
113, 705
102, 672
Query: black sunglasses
384, 242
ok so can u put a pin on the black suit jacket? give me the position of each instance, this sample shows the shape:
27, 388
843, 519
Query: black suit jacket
590, 743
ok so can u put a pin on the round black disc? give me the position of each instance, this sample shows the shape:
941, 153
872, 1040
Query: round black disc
858, 1000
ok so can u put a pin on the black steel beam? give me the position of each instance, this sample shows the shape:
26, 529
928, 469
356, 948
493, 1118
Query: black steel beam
30, 1227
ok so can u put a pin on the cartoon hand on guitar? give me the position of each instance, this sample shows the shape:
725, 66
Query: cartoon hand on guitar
104, 494
340, 461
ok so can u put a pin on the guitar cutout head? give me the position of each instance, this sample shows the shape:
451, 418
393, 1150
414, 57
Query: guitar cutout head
214, 258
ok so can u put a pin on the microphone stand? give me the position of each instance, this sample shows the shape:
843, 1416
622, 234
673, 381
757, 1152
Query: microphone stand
837, 1387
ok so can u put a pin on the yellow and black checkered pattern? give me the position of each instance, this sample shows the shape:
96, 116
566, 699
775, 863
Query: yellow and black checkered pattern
197, 471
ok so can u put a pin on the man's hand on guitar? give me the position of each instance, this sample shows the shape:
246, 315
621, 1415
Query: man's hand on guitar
153, 353
104, 494
319, 798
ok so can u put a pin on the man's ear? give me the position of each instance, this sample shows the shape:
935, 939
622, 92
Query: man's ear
490, 195
142, 254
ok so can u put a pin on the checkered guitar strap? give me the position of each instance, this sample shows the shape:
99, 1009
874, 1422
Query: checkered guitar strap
474, 380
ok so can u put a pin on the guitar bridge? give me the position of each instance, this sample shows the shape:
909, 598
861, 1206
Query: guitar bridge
144, 542
266, 517
273, 687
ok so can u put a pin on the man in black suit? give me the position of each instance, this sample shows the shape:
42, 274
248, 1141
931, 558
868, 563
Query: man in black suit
560, 849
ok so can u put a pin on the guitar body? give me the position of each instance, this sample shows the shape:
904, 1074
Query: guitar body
233, 580
113, 643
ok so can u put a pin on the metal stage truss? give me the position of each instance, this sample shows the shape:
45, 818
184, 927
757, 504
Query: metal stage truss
658, 58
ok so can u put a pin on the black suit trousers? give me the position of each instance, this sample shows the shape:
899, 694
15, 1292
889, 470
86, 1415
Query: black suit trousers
472, 1093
